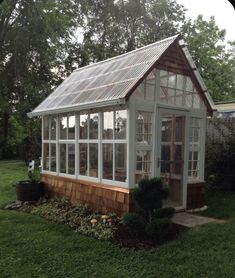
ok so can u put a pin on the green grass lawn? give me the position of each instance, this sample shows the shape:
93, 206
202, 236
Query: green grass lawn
32, 247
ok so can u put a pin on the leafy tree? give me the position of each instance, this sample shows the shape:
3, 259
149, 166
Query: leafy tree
214, 59
33, 39
114, 27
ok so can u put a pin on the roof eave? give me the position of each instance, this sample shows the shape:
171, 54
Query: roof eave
60, 110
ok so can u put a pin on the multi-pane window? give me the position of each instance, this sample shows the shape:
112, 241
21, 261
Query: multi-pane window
110, 145
144, 128
179, 90
143, 145
171, 88
172, 144
194, 149
49, 143
147, 89
88, 144
114, 154
192, 99
66, 140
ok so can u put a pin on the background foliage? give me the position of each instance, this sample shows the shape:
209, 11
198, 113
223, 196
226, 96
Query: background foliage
42, 41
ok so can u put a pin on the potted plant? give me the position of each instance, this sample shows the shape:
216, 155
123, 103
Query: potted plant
31, 189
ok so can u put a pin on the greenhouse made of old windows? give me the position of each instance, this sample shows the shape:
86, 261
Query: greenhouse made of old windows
109, 124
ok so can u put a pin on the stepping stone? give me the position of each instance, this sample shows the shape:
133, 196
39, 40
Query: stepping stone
14, 205
192, 220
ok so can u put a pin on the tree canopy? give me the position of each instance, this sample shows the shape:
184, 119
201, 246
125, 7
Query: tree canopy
33, 39
213, 57
42, 41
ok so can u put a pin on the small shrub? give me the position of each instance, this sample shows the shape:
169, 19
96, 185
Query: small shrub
134, 222
164, 213
220, 163
158, 230
149, 195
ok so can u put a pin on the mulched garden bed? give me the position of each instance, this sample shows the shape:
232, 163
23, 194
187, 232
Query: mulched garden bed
123, 237
119, 234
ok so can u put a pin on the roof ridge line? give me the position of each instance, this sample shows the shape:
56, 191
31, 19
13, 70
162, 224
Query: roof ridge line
124, 54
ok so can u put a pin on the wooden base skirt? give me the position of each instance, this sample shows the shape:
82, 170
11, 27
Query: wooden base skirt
107, 198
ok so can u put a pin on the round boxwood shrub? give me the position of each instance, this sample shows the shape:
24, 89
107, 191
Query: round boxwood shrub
134, 222
158, 230
149, 195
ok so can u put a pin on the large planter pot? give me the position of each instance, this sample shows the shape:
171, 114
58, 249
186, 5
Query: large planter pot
29, 190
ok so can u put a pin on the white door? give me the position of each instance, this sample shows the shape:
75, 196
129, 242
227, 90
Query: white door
171, 154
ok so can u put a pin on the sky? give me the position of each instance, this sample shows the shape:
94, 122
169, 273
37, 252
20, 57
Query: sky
222, 10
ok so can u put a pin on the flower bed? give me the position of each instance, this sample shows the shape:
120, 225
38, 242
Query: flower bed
87, 222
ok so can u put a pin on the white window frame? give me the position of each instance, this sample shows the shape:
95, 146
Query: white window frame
76, 141
114, 141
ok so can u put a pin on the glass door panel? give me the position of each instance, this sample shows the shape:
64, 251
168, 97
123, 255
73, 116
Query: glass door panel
171, 161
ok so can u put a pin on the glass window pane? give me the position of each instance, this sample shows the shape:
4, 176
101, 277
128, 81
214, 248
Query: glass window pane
179, 123
180, 82
150, 89
179, 96
189, 100
172, 80
167, 129
63, 127
177, 169
120, 124
45, 128
139, 92
195, 155
83, 126
164, 94
93, 171
108, 125
108, 161
178, 152
120, 162
143, 165
195, 164
71, 159
166, 152
196, 101
83, 159
46, 156
53, 157
62, 158
189, 84
71, 126
94, 124
163, 78
194, 146
144, 128
53, 127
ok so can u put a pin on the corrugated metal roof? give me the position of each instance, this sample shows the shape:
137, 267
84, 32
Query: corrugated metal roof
103, 82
